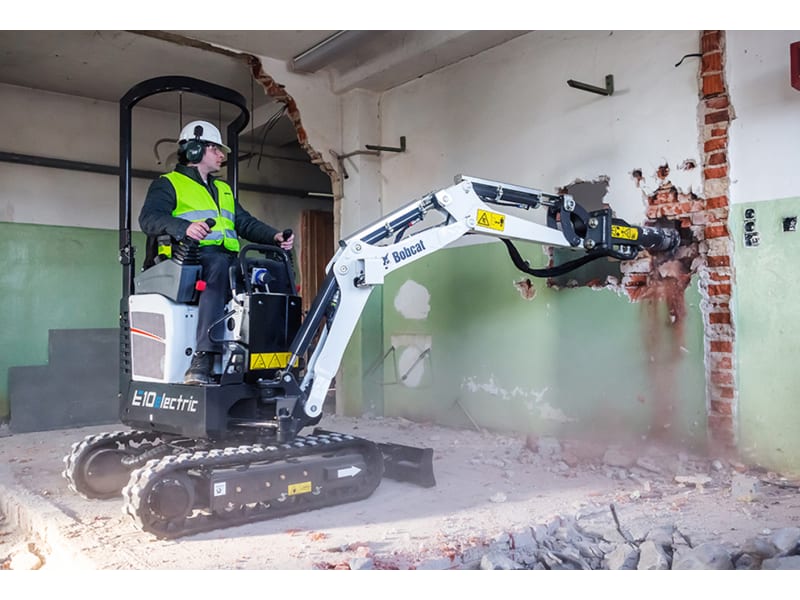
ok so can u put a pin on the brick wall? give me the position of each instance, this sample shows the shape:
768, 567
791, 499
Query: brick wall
707, 246
716, 272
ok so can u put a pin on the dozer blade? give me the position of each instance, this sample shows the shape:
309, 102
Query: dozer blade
406, 463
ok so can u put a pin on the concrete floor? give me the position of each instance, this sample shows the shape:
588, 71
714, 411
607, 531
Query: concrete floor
488, 485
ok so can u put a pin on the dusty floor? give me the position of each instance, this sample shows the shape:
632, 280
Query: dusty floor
487, 485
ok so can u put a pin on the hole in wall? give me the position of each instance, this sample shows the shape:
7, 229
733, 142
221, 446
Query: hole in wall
597, 273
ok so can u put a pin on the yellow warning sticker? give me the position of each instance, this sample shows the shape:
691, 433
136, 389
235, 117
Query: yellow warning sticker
624, 233
491, 220
269, 360
300, 488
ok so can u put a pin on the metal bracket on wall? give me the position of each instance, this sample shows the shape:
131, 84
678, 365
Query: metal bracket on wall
421, 356
371, 150
607, 91
378, 363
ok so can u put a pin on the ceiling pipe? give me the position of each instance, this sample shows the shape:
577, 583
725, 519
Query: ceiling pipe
73, 165
328, 50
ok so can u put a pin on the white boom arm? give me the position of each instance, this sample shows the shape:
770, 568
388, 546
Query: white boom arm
360, 263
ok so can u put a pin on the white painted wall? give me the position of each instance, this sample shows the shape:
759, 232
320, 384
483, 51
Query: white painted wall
509, 115
765, 134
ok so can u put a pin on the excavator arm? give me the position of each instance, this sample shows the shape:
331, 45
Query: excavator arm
469, 206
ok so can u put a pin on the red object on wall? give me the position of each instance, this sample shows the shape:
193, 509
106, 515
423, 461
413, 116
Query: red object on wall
794, 64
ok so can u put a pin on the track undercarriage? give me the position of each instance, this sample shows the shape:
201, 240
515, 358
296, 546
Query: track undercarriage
176, 487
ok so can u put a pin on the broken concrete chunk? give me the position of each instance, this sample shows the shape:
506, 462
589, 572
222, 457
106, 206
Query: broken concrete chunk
652, 557
708, 556
744, 488
498, 498
696, 480
786, 540
782, 563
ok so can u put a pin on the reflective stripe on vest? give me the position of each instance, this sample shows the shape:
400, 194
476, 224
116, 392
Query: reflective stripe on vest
193, 202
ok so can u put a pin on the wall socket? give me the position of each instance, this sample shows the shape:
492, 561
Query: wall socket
751, 237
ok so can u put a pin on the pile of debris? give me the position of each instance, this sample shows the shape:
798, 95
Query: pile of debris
598, 542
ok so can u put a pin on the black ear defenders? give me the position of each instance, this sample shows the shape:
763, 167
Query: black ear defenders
194, 148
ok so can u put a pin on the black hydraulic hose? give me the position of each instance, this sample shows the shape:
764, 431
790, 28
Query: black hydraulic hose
566, 267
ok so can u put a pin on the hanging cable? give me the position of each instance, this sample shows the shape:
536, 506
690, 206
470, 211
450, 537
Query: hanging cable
252, 121
271, 122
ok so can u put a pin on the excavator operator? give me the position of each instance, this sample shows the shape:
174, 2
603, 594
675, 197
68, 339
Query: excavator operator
190, 202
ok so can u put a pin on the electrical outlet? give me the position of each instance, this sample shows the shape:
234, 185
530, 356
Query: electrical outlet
751, 237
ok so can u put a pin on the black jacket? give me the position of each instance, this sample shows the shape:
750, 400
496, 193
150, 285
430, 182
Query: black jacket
156, 216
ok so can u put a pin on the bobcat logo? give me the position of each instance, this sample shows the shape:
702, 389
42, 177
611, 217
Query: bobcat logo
385, 259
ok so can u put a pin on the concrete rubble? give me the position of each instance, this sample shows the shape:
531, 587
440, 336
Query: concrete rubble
501, 503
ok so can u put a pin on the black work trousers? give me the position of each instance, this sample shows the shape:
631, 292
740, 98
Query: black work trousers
216, 264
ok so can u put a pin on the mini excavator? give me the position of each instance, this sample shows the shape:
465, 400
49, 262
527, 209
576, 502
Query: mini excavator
198, 458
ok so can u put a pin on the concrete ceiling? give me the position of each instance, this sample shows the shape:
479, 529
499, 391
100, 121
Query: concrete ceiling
104, 65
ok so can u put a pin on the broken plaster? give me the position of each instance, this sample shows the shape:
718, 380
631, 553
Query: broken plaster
686, 178
413, 300
532, 399
525, 288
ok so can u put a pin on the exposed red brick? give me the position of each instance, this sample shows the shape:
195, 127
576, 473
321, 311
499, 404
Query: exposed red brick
719, 143
721, 408
721, 436
719, 317
720, 346
668, 210
715, 172
718, 158
719, 290
723, 362
717, 202
664, 195
715, 231
720, 130
718, 261
726, 393
722, 378
635, 279
718, 102
686, 222
725, 277
712, 61
712, 84
711, 41
717, 116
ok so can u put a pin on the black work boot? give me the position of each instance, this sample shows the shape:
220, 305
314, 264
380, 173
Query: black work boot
199, 372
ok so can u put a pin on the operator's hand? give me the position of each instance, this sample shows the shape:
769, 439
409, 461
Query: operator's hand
286, 244
197, 230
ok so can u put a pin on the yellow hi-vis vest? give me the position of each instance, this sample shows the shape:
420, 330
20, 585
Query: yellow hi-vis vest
193, 202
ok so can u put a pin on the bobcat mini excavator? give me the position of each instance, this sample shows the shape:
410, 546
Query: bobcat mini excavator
197, 458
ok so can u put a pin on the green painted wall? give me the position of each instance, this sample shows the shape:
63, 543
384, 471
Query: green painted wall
53, 278
767, 320
576, 362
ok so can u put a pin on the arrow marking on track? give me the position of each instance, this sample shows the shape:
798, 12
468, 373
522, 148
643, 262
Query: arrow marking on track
351, 471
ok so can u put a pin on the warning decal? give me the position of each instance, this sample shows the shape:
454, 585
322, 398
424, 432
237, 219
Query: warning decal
624, 233
491, 220
269, 360
300, 488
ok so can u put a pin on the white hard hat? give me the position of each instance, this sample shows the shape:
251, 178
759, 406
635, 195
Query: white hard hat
202, 131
